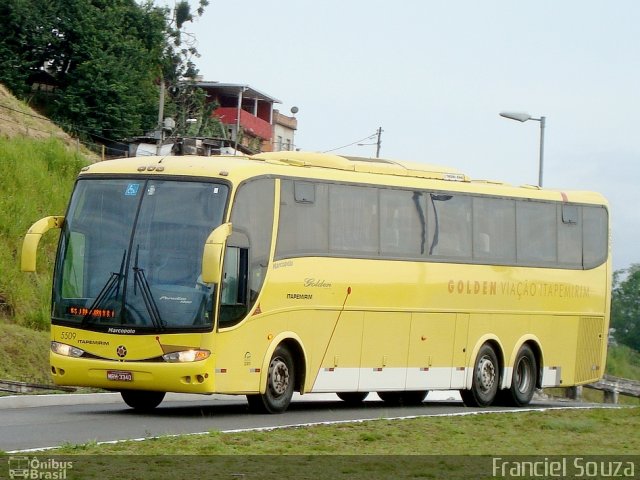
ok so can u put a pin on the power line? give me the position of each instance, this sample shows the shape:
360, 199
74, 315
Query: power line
39, 117
370, 137
69, 125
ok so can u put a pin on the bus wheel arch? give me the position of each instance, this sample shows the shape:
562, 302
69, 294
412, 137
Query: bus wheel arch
283, 372
486, 375
299, 361
534, 344
537, 353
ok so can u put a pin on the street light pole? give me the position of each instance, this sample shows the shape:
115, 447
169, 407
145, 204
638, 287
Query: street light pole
523, 117
541, 162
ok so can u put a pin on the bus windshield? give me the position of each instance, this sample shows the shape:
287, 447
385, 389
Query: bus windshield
131, 253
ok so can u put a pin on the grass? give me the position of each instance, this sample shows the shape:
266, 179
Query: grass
37, 177
624, 362
602, 431
24, 354
428, 447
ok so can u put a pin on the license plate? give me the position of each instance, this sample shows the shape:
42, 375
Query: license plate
119, 376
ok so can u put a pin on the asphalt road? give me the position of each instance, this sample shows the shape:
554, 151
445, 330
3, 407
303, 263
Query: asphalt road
34, 422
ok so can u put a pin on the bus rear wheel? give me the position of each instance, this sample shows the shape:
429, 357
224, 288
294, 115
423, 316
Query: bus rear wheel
142, 400
409, 397
352, 398
486, 379
525, 378
280, 384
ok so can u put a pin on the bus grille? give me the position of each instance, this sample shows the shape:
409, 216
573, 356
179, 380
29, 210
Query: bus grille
589, 349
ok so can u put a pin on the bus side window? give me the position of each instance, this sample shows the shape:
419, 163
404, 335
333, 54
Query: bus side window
234, 300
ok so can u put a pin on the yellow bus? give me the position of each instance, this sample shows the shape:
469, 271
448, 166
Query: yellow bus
307, 272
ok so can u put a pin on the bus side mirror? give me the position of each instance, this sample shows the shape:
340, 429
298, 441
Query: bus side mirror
212, 255
32, 239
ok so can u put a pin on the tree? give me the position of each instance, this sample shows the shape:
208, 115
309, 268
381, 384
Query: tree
185, 101
625, 306
26, 37
104, 56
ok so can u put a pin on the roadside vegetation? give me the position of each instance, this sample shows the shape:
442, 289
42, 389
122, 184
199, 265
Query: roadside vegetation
623, 361
602, 431
459, 447
104, 66
37, 177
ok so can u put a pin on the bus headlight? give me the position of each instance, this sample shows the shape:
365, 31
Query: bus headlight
186, 356
66, 350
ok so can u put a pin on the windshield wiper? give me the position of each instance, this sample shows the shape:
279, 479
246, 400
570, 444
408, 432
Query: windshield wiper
140, 281
112, 285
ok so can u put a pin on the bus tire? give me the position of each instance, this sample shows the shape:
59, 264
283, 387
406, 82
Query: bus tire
409, 397
525, 378
486, 379
142, 400
280, 384
352, 398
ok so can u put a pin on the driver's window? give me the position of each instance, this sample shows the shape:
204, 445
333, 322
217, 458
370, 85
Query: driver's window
234, 300
234, 276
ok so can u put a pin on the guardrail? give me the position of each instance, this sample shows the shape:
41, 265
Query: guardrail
13, 386
611, 386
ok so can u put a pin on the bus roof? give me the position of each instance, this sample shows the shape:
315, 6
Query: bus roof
330, 167
364, 165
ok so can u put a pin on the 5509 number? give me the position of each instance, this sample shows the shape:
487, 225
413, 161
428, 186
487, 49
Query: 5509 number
68, 335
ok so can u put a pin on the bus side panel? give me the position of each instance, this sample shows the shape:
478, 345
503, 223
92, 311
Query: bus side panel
385, 342
431, 350
337, 364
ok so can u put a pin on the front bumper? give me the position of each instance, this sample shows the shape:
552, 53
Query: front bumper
188, 377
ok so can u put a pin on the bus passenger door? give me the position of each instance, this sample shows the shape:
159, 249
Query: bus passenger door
431, 351
383, 364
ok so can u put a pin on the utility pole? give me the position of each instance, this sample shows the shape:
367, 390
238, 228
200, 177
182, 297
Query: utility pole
379, 132
160, 131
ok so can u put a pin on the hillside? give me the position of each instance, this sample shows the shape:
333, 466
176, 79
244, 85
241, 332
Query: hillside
38, 165
18, 119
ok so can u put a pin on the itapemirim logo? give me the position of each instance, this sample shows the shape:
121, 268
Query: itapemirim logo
37, 468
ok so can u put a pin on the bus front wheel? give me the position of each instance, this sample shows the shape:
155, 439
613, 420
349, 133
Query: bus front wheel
142, 400
486, 379
280, 384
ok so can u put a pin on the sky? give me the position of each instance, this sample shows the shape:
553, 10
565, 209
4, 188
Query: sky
434, 75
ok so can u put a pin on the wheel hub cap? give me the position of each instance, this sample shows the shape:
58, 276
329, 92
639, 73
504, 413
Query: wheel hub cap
486, 374
279, 376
